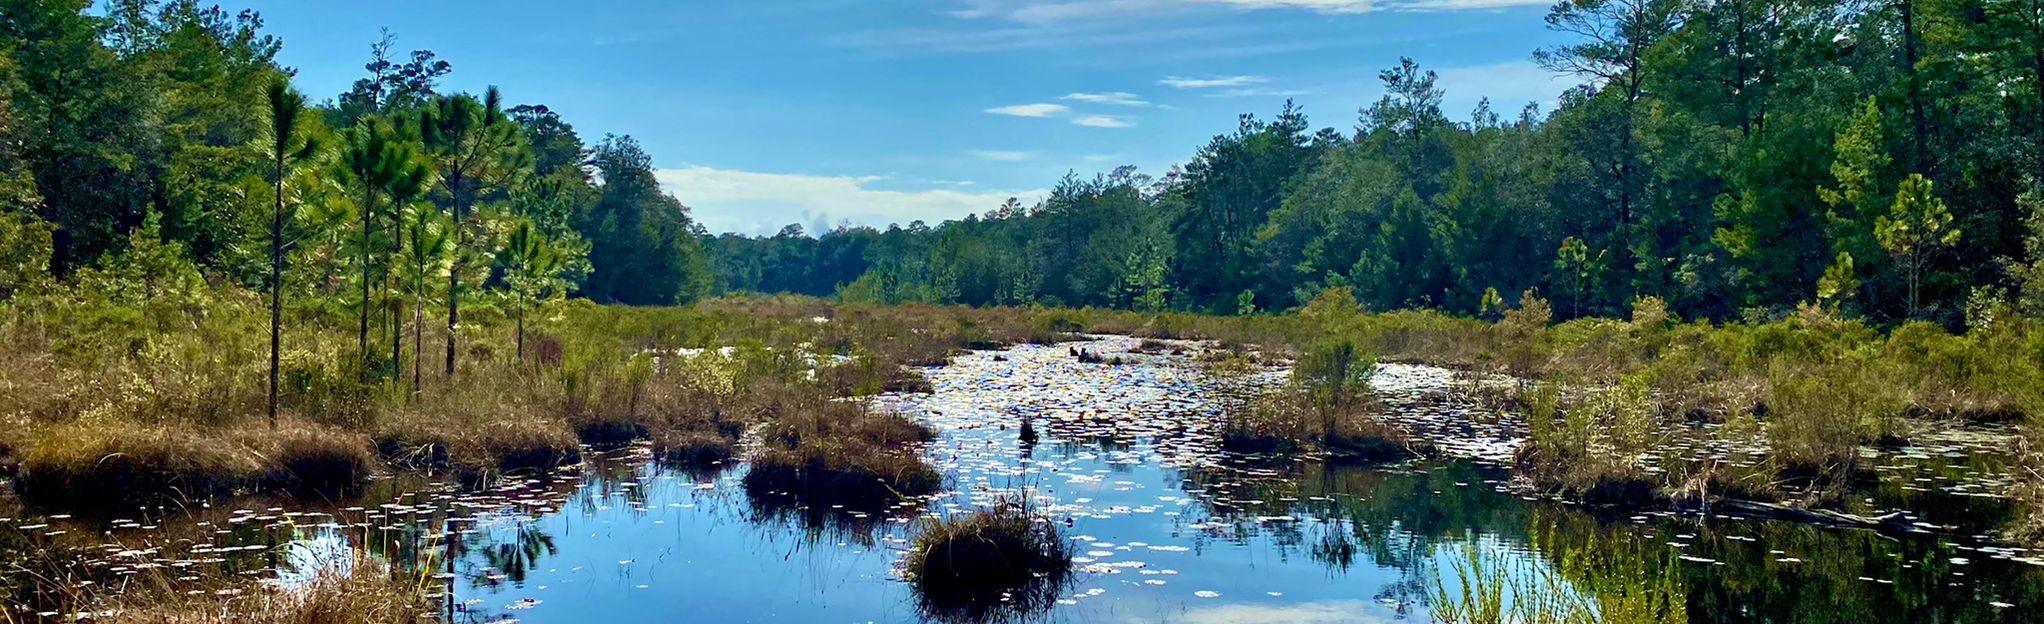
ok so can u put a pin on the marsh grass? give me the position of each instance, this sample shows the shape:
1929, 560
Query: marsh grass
117, 465
363, 590
997, 564
1494, 587
1328, 409
834, 452
1288, 420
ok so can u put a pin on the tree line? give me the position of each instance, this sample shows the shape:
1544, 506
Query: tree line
145, 139
1735, 158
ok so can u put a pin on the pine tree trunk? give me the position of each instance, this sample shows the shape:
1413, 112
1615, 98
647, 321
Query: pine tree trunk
418, 327
276, 289
362, 334
454, 287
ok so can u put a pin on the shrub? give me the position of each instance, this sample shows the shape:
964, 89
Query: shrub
1817, 417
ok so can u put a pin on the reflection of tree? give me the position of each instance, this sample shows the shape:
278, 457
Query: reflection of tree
1771, 571
507, 559
1391, 518
824, 524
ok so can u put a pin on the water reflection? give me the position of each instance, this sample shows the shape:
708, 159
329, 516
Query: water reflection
1163, 527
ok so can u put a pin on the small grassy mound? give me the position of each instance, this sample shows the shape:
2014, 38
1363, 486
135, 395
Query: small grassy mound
694, 447
609, 431
513, 445
1290, 421
969, 567
118, 465
313, 461
840, 453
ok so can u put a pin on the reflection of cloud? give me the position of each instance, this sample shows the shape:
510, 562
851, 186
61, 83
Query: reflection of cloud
1321, 612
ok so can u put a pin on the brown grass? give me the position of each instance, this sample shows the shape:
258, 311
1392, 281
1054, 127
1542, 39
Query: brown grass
842, 453
371, 594
1289, 420
119, 465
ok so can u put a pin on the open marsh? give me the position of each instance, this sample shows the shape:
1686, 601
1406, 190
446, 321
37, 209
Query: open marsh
1163, 526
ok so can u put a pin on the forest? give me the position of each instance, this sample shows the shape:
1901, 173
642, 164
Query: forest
1778, 260
1734, 158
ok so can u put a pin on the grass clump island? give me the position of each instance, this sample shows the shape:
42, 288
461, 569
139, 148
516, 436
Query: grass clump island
994, 564
1327, 409
840, 453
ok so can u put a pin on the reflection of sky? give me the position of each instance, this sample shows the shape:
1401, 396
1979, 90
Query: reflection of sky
674, 550
1163, 534
1322, 612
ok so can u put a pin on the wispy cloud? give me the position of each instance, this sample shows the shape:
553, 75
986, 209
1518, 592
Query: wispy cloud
1031, 110
1260, 92
752, 202
1102, 121
1181, 82
1003, 155
1118, 98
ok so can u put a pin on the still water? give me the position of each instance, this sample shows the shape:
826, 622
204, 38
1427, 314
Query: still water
1165, 529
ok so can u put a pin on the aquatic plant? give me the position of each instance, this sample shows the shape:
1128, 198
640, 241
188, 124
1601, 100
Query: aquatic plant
996, 564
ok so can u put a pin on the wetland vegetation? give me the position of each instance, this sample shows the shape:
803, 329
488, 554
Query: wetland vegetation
1673, 351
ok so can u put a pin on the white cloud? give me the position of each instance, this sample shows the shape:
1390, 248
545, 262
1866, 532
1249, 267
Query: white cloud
1260, 92
1003, 155
1118, 98
752, 202
1210, 83
1030, 110
1102, 121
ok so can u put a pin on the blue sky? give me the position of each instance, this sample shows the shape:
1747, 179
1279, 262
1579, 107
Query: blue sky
767, 112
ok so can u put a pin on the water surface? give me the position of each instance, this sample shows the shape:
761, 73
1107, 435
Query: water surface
1165, 528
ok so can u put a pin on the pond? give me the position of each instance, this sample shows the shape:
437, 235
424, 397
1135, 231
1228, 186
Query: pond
1164, 527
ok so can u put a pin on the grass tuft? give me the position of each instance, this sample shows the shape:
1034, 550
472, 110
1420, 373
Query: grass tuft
970, 568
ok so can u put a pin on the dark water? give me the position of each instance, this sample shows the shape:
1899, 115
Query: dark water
1166, 530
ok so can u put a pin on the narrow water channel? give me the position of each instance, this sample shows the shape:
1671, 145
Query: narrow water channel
1165, 528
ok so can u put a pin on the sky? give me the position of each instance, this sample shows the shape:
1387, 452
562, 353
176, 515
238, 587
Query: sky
763, 113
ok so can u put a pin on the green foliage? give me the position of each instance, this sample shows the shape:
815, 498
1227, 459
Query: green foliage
1916, 227
25, 248
1839, 283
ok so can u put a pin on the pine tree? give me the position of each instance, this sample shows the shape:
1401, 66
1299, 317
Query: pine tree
288, 150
